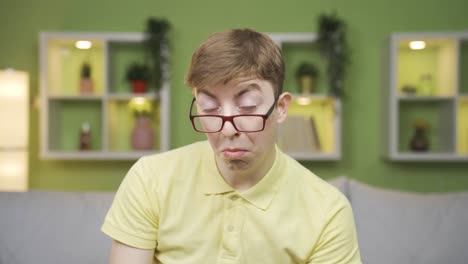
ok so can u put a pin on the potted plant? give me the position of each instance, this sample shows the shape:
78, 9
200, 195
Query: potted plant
156, 43
86, 83
138, 75
306, 77
333, 47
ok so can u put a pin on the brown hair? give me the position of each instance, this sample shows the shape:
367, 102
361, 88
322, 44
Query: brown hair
235, 53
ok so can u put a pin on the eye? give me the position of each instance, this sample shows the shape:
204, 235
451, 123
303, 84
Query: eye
208, 106
210, 110
247, 109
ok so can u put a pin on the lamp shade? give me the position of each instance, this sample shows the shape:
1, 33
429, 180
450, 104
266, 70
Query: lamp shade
14, 111
14, 128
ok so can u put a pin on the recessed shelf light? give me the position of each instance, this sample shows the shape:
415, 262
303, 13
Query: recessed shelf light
83, 44
417, 45
303, 100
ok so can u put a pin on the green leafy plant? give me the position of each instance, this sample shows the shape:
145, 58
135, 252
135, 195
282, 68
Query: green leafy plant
138, 72
156, 43
306, 77
86, 70
333, 46
140, 106
307, 69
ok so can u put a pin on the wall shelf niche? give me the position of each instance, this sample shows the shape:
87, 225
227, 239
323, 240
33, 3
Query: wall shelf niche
65, 107
312, 131
427, 83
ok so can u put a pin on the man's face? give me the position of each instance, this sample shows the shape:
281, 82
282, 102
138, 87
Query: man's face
242, 151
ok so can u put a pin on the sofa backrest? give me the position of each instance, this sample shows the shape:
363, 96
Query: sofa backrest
393, 226
53, 227
405, 227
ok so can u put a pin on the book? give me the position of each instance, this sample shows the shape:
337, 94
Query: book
298, 134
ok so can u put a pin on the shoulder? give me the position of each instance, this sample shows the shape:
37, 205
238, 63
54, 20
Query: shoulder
180, 153
163, 166
174, 157
316, 193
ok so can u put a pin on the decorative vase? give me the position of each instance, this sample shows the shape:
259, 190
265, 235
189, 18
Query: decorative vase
139, 86
86, 86
142, 134
419, 142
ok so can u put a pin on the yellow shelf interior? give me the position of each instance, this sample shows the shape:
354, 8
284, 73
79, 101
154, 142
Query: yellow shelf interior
65, 62
310, 126
438, 59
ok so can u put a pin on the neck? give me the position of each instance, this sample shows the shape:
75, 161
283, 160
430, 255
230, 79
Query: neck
244, 179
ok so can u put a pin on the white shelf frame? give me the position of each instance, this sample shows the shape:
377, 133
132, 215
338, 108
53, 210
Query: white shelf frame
391, 151
310, 37
105, 154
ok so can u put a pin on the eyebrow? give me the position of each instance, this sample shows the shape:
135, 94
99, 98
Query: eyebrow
249, 87
245, 89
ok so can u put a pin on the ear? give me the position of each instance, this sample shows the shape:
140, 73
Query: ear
282, 106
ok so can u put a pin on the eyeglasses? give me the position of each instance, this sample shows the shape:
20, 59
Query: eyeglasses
242, 123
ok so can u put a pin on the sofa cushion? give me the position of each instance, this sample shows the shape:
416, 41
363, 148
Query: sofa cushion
401, 227
53, 227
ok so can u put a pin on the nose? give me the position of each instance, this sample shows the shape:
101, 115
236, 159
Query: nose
228, 129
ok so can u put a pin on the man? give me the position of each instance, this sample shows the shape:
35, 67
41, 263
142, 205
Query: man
235, 198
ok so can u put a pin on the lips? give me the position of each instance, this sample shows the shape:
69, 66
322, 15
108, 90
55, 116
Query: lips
232, 153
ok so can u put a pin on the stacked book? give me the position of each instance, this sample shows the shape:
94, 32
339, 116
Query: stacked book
298, 134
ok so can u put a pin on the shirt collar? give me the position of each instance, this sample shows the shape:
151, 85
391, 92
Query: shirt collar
260, 195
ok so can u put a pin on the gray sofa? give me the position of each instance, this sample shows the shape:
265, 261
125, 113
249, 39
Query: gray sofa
393, 227
53, 228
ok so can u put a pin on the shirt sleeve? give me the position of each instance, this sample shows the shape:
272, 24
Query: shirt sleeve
134, 215
338, 240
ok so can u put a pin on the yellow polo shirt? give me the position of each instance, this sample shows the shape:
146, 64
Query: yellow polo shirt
178, 204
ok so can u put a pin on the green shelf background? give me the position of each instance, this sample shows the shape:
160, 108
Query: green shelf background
436, 114
121, 55
462, 128
66, 118
296, 53
464, 67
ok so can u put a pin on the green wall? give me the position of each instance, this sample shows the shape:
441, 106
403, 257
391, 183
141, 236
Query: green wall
370, 23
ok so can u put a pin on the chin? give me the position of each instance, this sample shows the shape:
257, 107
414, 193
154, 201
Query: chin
237, 164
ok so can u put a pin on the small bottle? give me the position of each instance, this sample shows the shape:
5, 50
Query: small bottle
85, 136
426, 85
86, 83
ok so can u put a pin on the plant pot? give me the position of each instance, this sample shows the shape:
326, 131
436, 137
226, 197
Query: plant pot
306, 84
86, 86
139, 86
142, 134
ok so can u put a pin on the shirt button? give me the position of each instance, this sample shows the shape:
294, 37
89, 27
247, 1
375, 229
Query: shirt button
230, 228
234, 197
